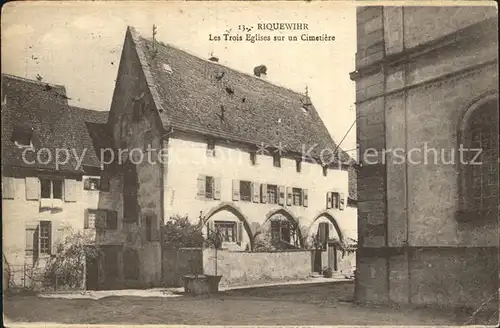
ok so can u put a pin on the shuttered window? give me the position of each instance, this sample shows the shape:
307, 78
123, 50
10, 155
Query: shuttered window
208, 187
341, 201
246, 191
8, 188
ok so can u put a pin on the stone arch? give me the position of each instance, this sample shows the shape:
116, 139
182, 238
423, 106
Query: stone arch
290, 216
471, 109
232, 208
330, 218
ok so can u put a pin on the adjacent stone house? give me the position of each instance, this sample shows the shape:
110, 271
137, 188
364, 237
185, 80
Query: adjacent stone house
40, 199
225, 148
427, 84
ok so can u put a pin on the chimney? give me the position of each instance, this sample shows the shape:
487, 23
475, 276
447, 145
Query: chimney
213, 58
260, 71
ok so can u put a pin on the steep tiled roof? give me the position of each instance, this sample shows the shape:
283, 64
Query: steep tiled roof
192, 94
44, 107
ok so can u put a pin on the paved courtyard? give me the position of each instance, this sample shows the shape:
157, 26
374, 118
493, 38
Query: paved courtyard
304, 304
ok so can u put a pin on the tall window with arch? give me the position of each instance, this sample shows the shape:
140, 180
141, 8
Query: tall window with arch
480, 165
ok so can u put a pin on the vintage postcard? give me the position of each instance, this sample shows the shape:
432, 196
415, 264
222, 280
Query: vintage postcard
274, 163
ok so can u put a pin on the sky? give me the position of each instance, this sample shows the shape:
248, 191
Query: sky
79, 45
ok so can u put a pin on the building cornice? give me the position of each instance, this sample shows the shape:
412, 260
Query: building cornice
485, 30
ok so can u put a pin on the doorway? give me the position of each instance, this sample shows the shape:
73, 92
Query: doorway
91, 268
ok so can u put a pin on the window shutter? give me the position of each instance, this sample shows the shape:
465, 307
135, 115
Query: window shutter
256, 192
70, 190
329, 199
56, 236
201, 186
341, 201
8, 188
32, 188
281, 196
263, 193
86, 184
289, 196
31, 241
217, 185
86, 219
240, 231
304, 198
236, 189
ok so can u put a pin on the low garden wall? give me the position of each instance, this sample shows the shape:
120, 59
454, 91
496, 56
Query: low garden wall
247, 267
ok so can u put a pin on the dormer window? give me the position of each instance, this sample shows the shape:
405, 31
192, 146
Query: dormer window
22, 135
211, 148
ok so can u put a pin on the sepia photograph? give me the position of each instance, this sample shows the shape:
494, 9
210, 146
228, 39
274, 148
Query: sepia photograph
250, 163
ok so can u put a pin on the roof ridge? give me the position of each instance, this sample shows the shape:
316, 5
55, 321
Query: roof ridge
166, 44
32, 81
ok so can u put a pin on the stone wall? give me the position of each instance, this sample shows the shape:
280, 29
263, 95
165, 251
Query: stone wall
247, 267
412, 95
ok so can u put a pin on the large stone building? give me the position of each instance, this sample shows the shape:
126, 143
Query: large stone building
427, 86
44, 199
225, 148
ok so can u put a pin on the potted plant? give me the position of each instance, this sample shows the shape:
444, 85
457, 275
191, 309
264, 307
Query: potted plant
327, 272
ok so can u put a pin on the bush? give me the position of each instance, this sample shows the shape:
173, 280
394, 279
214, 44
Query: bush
178, 232
66, 269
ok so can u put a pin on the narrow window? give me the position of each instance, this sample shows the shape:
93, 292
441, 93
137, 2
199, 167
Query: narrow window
298, 165
209, 187
335, 200
325, 170
148, 228
45, 237
276, 160
211, 148
253, 157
